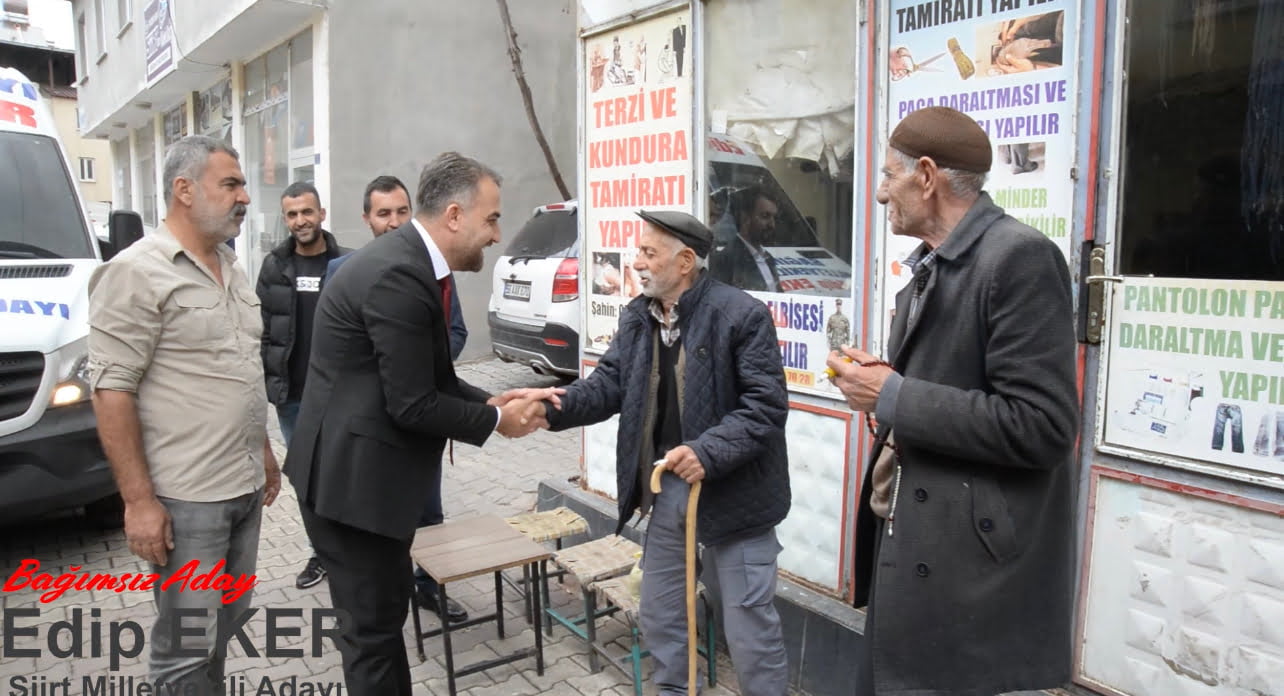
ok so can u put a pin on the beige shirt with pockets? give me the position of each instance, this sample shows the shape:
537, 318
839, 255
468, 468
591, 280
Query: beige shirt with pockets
161, 327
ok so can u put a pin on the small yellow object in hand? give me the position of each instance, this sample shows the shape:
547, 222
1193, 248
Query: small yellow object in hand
829, 371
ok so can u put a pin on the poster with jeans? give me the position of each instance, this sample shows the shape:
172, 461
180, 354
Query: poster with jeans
1195, 369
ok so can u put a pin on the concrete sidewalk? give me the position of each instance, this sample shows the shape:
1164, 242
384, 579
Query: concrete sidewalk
500, 479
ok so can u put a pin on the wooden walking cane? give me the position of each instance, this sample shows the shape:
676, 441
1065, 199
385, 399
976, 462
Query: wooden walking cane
693, 500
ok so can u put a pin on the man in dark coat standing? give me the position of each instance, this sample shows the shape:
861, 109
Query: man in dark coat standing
380, 403
965, 537
695, 374
289, 286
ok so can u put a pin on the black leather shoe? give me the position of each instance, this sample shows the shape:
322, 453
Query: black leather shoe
455, 612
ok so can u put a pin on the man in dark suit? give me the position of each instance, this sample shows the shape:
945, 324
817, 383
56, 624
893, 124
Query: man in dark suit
386, 206
743, 262
380, 403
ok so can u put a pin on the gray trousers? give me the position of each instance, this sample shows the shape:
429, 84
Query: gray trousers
744, 571
227, 531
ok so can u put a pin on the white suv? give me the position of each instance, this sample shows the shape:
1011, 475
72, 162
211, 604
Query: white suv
534, 311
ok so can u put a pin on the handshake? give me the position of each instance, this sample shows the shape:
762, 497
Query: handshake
521, 411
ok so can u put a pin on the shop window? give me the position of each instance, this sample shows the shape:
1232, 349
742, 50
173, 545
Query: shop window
1203, 158
214, 111
277, 107
145, 142
780, 90
254, 84
301, 91
175, 125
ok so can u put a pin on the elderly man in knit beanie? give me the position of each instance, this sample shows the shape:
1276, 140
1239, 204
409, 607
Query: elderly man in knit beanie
966, 509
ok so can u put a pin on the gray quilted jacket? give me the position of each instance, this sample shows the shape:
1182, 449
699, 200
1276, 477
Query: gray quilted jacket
734, 406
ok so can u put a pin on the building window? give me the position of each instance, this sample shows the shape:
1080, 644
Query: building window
277, 105
15, 12
100, 28
1203, 181
124, 176
87, 169
214, 111
175, 124
145, 142
124, 13
82, 49
780, 158
300, 93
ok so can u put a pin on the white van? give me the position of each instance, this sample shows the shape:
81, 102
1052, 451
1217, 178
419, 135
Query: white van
50, 457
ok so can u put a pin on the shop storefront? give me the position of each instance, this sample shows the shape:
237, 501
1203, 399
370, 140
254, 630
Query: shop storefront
1164, 190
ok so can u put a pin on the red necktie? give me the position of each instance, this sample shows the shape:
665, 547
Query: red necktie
446, 289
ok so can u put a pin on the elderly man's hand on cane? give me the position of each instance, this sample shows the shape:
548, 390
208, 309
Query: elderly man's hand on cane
684, 464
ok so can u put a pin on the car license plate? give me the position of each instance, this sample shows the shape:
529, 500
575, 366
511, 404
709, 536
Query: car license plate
517, 290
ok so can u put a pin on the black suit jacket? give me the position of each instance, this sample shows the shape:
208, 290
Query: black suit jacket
382, 397
734, 265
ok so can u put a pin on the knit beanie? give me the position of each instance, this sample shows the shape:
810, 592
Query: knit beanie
950, 137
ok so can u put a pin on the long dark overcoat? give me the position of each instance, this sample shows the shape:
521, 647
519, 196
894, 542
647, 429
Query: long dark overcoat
973, 590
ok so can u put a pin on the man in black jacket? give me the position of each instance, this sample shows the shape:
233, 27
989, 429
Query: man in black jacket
288, 288
381, 401
695, 374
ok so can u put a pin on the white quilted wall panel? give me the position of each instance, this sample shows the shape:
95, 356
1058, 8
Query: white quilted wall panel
599, 456
812, 534
1185, 595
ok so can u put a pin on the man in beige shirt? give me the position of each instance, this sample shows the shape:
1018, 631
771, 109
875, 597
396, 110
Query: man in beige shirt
179, 396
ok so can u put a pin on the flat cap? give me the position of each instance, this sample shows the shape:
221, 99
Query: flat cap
686, 228
951, 138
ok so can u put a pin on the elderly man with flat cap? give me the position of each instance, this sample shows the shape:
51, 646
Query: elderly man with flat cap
694, 372
964, 533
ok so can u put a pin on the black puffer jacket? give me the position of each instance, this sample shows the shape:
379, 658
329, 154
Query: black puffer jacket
733, 413
276, 293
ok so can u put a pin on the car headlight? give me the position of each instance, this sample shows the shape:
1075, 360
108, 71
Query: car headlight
73, 374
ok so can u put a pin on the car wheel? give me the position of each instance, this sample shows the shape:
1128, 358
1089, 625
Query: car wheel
108, 513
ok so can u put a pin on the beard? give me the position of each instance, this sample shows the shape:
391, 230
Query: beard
214, 223
474, 260
307, 236
653, 287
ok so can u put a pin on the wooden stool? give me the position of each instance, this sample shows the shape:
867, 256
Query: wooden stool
590, 562
617, 594
540, 527
549, 525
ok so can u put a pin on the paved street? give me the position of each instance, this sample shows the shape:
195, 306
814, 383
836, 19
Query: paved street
501, 479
